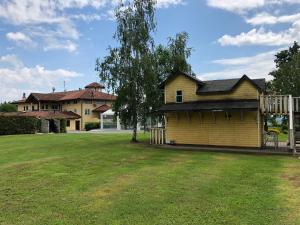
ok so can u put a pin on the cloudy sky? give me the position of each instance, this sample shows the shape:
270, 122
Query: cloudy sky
44, 43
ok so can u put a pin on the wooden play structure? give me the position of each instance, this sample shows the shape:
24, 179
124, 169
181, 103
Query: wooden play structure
224, 113
269, 104
284, 105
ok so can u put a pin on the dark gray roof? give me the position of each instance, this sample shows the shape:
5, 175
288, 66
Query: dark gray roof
216, 86
210, 106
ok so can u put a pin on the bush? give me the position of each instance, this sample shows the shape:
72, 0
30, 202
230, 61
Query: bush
18, 125
284, 128
92, 126
63, 126
39, 126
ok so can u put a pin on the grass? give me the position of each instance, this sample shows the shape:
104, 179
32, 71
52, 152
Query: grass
283, 137
103, 179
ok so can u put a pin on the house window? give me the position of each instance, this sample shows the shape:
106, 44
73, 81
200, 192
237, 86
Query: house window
32, 108
24, 108
75, 102
178, 96
68, 123
55, 107
87, 111
43, 107
46, 106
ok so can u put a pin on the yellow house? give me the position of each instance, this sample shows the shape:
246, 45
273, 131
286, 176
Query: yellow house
214, 112
79, 107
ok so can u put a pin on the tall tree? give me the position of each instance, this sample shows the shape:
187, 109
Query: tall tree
128, 69
287, 73
166, 60
173, 57
170, 59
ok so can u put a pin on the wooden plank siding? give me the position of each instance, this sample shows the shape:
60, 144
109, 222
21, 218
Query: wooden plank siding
240, 129
244, 91
216, 130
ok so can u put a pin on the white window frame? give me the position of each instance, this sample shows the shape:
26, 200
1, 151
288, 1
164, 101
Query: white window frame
87, 112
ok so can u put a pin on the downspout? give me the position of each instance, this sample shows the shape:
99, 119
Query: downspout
81, 120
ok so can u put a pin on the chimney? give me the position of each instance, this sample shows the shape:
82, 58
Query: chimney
53, 89
24, 96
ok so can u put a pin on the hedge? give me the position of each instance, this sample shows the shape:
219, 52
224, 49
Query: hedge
92, 126
18, 125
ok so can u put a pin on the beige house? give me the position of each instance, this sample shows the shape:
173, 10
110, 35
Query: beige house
84, 105
213, 112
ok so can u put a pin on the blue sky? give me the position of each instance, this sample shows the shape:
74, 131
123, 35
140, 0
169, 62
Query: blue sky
44, 43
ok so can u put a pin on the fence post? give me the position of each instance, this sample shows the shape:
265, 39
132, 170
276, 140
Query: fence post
291, 123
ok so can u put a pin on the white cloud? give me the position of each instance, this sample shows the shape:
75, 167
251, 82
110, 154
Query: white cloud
244, 6
236, 5
52, 16
11, 60
266, 18
56, 19
18, 37
53, 44
86, 17
263, 37
15, 78
168, 3
258, 66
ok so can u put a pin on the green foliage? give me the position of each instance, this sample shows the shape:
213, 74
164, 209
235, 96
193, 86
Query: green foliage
8, 107
91, 126
287, 74
39, 126
173, 57
135, 68
18, 125
128, 69
168, 60
63, 126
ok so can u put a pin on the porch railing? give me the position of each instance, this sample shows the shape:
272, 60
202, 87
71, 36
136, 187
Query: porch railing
279, 104
157, 136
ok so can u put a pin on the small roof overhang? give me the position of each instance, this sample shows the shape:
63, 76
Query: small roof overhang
224, 105
102, 108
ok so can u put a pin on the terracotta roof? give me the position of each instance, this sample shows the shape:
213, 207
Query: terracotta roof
11, 113
94, 85
86, 94
102, 108
45, 114
47, 97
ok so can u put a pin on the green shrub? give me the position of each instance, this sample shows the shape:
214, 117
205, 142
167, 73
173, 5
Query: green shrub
63, 126
109, 124
284, 128
18, 125
92, 126
39, 126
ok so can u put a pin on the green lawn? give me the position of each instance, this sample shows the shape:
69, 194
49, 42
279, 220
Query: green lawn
283, 137
103, 179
